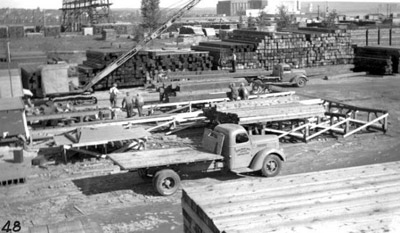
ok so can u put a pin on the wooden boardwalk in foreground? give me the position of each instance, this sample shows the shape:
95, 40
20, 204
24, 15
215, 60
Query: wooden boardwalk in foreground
356, 199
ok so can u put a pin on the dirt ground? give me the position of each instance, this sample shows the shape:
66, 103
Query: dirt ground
123, 202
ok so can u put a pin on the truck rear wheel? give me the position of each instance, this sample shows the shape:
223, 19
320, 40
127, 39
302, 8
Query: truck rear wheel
301, 82
271, 166
166, 182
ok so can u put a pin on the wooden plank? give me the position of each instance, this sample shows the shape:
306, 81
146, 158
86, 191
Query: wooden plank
356, 198
366, 125
157, 158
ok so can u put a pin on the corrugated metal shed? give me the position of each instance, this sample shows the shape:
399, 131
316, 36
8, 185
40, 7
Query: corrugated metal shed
357, 199
12, 117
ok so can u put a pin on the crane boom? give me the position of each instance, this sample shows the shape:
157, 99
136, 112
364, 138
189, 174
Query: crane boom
128, 55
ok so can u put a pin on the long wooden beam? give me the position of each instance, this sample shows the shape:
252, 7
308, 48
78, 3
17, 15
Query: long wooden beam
366, 125
327, 129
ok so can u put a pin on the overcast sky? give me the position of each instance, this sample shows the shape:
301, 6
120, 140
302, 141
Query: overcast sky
56, 4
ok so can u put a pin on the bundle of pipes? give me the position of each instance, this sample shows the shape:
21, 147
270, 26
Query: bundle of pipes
300, 48
146, 65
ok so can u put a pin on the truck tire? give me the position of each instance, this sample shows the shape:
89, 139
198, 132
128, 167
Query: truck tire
166, 182
301, 82
271, 166
257, 87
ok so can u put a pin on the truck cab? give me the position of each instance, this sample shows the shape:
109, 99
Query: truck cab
288, 75
245, 153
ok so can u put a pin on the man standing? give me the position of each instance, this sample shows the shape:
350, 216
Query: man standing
233, 62
243, 92
139, 101
234, 92
127, 103
113, 95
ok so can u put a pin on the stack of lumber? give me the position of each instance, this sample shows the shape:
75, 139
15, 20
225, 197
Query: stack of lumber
28, 57
3, 32
355, 199
141, 67
377, 59
10, 81
379, 36
52, 31
109, 35
263, 110
16, 31
120, 28
300, 48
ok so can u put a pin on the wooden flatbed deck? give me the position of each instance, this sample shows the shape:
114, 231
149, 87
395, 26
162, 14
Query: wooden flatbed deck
355, 199
160, 158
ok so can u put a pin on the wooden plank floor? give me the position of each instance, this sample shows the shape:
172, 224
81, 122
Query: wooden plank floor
156, 158
357, 199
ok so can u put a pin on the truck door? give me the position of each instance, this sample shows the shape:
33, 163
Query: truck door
241, 151
286, 74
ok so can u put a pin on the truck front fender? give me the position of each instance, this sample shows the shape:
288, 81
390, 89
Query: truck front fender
258, 160
293, 80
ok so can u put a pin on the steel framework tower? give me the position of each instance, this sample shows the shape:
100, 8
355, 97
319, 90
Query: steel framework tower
76, 13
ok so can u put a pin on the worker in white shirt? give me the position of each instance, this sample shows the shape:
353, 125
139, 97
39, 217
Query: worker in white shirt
113, 95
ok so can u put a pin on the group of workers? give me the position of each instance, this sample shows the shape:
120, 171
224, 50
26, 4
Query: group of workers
128, 102
240, 93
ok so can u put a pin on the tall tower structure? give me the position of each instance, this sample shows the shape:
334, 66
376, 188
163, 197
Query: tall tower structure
76, 13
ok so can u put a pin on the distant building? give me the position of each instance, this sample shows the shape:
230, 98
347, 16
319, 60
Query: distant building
239, 7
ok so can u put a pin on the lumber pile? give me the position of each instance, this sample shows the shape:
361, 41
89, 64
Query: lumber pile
25, 57
16, 31
300, 48
119, 28
355, 199
52, 31
109, 35
3, 32
143, 66
382, 60
263, 110
376, 36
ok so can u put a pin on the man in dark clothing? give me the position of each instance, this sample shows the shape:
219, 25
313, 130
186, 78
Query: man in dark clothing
234, 92
127, 103
139, 101
243, 92
233, 62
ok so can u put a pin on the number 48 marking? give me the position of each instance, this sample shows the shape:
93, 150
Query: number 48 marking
15, 228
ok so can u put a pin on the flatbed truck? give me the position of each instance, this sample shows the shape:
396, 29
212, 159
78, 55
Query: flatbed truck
226, 148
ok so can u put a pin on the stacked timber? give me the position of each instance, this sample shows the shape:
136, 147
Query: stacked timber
376, 36
119, 28
16, 31
29, 57
262, 111
355, 199
52, 31
3, 32
377, 59
143, 66
109, 35
300, 48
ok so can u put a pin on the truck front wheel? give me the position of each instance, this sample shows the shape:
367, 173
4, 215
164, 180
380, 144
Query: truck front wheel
301, 82
166, 182
271, 166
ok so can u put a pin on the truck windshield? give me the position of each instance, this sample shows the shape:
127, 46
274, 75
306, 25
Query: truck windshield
241, 138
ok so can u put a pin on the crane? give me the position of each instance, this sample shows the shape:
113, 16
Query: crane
128, 55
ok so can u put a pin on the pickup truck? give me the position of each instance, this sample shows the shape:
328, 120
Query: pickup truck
226, 148
281, 74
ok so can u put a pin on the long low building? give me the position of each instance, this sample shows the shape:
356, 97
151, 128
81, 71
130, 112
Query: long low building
356, 199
